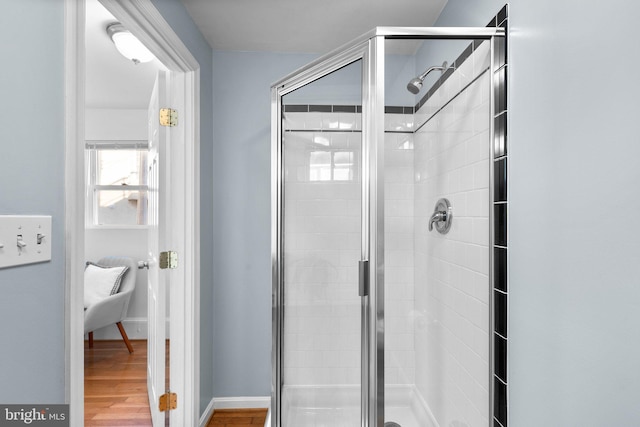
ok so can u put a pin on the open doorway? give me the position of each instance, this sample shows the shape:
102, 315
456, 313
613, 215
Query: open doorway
117, 94
182, 185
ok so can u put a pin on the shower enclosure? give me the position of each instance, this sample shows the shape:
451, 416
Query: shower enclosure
383, 162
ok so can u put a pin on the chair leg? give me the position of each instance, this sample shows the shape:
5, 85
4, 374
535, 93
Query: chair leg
124, 336
91, 339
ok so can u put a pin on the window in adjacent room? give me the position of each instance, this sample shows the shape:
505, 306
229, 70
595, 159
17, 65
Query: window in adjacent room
117, 183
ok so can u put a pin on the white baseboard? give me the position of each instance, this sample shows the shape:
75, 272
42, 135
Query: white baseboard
241, 402
233, 403
208, 412
136, 328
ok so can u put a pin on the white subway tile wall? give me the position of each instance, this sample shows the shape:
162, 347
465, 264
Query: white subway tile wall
452, 271
321, 253
399, 247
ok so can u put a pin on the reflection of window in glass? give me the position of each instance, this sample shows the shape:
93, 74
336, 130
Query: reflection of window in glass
331, 166
117, 184
343, 166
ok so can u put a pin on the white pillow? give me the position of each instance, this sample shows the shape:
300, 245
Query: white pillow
101, 282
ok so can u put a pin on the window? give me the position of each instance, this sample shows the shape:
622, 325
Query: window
117, 183
331, 166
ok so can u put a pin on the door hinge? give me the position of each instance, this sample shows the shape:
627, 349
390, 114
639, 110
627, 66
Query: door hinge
168, 401
168, 117
168, 259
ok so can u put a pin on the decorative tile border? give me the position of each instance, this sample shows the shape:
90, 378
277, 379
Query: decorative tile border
342, 118
500, 229
303, 108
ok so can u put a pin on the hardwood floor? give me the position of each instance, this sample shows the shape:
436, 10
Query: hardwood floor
238, 418
115, 390
115, 385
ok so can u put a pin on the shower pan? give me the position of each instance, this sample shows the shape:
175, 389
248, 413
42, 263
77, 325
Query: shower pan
383, 306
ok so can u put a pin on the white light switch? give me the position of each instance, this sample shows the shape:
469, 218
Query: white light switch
24, 239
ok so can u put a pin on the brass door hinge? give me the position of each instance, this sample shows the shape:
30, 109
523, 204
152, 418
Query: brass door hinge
168, 117
168, 259
168, 401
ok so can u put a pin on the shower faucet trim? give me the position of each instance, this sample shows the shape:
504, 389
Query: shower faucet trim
442, 216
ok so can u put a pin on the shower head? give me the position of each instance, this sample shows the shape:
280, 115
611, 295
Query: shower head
415, 84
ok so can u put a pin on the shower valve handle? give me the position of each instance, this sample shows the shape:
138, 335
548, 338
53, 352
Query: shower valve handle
442, 216
437, 216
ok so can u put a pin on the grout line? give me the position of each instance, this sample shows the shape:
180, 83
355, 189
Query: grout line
500, 379
504, 338
500, 68
325, 130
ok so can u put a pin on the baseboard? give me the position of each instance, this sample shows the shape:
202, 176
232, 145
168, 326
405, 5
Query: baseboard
233, 403
241, 402
208, 412
136, 328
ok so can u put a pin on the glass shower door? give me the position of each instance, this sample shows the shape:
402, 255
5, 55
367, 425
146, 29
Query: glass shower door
321, 249
377, 319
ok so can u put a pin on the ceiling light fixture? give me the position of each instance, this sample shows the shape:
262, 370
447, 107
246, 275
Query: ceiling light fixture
128, 45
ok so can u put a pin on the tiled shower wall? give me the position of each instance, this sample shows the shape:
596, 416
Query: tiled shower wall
452, 160
322, 249
321, 253
400, 361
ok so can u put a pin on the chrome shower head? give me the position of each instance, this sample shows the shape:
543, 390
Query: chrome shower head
415, 84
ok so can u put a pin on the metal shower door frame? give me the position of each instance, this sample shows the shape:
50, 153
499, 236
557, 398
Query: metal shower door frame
314, 71
370, 48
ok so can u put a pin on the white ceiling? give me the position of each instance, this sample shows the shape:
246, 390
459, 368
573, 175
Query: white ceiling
302, 26
112, 80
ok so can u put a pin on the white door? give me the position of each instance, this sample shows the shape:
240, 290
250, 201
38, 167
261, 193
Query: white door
158, 175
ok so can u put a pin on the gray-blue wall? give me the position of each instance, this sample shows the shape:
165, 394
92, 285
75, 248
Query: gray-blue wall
574, 149
32, 354
32, 177
176, 15
242, 239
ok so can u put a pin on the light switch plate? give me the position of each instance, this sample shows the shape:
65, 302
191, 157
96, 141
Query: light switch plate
24, 239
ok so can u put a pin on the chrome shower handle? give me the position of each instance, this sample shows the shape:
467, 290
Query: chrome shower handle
442, 216
437, 216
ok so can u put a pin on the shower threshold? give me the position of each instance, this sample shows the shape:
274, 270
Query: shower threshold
339, 406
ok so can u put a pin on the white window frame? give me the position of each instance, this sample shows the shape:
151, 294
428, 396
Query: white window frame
91, 149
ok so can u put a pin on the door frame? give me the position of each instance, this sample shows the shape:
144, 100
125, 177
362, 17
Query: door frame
145, 21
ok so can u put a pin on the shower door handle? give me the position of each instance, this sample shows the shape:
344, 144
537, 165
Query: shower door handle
363, 278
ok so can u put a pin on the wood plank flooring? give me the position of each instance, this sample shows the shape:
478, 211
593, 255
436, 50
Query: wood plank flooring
115, 390
115, 385
238, 418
